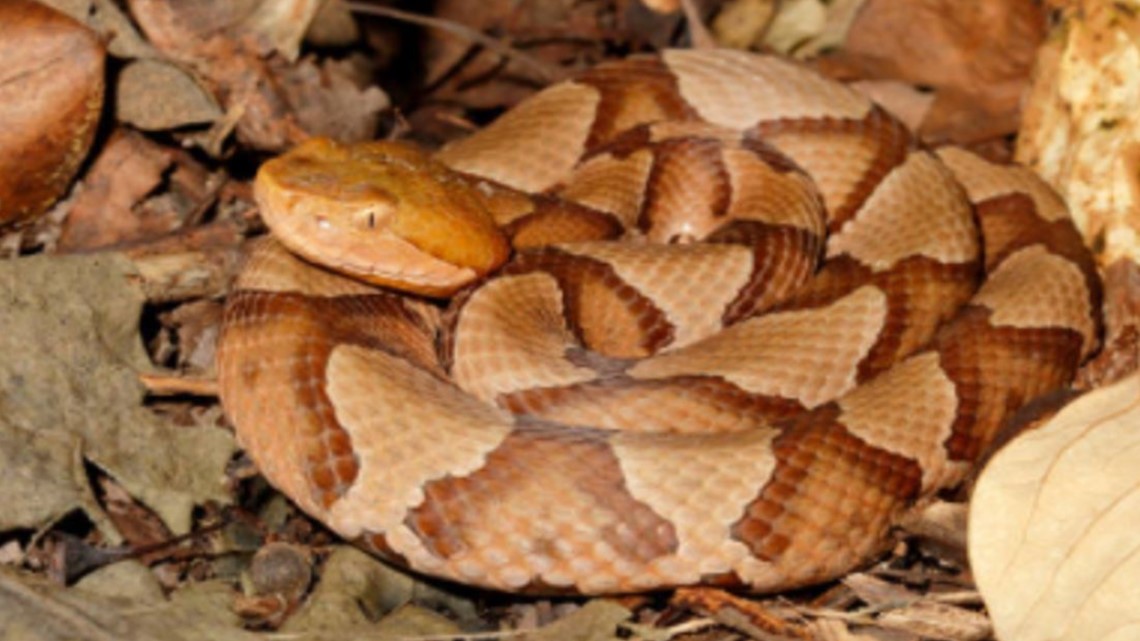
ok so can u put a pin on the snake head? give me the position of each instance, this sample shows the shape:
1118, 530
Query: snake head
382, 212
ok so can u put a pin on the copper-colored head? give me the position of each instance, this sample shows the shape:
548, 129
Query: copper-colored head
383, 212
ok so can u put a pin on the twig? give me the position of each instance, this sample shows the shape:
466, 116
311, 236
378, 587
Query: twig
164, 385
700, 34
548, 72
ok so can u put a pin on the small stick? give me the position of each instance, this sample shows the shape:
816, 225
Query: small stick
700, 34
167, 385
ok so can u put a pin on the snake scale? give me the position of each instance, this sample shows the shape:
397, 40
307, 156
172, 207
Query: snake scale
698, 318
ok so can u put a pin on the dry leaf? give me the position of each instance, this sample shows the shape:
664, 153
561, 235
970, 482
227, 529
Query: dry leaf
103, 212
129, 580
208, 37
799, 28
840, 16
753, 618
105, 18
931, 620
1053, 539
797, 22
976, 56
596, 620
282, 24
742, 23
181, 29
197, 324
156, 96
356, 589
333, 26
830, 630
548, 32
122, 605
332, 98
69, 388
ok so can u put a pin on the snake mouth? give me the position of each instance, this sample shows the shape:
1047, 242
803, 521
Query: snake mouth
381, 258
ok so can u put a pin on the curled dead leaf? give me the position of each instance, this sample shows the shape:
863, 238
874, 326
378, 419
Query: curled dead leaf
1053, 540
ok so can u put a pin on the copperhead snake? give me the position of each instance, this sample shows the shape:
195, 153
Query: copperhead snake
718, 396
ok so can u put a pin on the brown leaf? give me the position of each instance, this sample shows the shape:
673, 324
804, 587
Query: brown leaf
550, 31
233, 60
103, 213
181, 29
332, 98
975, 55
197, 324
51, 93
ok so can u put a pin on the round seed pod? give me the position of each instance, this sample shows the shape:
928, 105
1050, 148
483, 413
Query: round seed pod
51, 95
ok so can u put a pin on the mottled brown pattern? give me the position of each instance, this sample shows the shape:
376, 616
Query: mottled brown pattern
560, 221
617, 320
886, 138
378, 545
579, 462
997, 371
783, 259
634, 92
775, 158
688, 185
829, 493
603, 417
684, 183
681, 404
921, 293
1010, 222
257, 318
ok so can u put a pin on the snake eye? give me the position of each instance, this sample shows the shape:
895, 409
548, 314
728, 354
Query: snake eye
371, 218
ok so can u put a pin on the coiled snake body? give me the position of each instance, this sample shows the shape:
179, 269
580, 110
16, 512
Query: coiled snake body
718, 397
